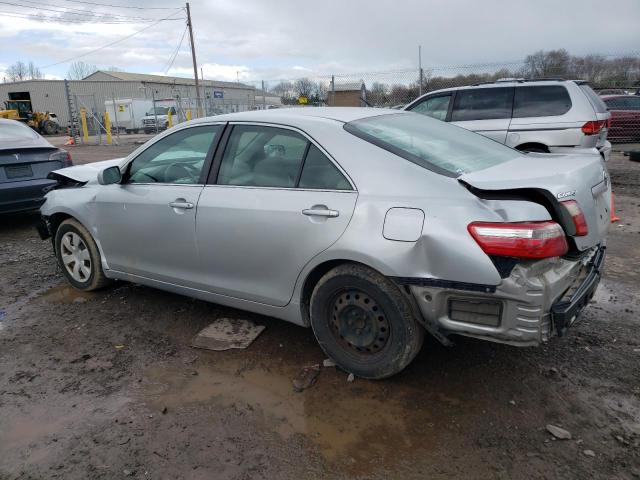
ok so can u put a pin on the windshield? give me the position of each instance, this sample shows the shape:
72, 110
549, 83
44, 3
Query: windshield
16, 131
158, 111
431, 143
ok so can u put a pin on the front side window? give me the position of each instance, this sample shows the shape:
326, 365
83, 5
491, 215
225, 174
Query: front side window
482, 104
434, 145
436, 107
541, 101
177, 158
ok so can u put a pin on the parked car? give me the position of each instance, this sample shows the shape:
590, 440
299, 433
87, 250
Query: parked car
159, 113
558, 116
369, 225
625, 117
26, 159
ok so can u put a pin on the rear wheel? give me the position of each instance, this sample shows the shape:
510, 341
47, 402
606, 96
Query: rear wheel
364, 322
79, 257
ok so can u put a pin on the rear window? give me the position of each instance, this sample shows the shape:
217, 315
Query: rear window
596, 102
16, 131
432, 144
623, 103
541, 101
482, 104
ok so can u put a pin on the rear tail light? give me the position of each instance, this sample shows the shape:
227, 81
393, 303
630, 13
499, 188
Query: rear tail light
593, 127
61, 156
579, 220
520, 240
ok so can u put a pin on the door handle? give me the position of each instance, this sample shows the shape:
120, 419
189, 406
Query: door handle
179, 204
320, 212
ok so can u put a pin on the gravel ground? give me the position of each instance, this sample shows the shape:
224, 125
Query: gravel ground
105, 385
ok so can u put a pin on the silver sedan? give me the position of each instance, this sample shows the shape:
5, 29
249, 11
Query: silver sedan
370, 226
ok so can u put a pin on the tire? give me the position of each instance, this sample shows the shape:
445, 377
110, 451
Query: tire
73, 240
364, 322
49, 127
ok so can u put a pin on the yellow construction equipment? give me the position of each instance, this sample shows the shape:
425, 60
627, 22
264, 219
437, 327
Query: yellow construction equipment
43, 122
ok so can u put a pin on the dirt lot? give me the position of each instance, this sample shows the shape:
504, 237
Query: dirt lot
105, 385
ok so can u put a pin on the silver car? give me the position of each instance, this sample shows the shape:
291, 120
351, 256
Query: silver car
558, 116
371, 226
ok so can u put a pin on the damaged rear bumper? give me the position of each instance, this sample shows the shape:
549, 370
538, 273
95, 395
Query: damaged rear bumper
537, 300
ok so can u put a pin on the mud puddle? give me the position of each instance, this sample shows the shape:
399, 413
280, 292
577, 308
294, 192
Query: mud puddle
67, 294
353, 426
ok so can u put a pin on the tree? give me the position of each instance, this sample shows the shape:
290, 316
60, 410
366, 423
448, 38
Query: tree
34, 72
18, 71
542, 64
80, 70
303, 87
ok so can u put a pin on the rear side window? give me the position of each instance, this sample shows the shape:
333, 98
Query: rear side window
595, 100
319, 173
482, 104
541, 101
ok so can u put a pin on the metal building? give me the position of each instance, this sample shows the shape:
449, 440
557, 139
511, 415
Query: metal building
91, 93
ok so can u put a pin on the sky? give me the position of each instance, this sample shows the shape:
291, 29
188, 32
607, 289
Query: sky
253, 40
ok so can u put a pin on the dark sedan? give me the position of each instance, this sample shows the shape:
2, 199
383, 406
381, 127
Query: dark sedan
26, 159
625, 117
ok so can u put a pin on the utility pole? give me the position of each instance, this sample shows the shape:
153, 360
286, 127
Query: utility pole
420, 67
193, 56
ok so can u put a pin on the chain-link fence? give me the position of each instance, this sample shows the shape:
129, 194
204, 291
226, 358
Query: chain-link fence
616, 78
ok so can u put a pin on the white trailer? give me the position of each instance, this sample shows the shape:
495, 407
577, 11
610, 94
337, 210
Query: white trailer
128, 112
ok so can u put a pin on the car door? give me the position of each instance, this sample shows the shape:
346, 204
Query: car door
146, 224
484, 110
275, 200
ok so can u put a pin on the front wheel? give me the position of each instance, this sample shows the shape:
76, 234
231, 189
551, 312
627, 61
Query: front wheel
79, 257
364, 322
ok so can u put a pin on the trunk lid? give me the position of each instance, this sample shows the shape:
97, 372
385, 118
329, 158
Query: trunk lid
21, 164
550, 179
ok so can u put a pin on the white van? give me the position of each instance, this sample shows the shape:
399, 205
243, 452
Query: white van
546, 115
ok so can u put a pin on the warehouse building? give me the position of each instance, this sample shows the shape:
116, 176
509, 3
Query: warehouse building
91, 93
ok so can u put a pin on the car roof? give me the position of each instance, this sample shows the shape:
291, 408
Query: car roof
507, 83
289, 115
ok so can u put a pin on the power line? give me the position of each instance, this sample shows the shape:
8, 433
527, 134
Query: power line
175, 54
68, 12
110, 44
56, 19
83, 11
123, 6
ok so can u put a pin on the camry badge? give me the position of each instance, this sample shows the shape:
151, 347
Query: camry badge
570, 193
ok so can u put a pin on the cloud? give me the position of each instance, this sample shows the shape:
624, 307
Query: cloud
254, 39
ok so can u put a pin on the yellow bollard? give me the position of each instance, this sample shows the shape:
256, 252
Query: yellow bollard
169, 119
188, 114
107, 127
83, 121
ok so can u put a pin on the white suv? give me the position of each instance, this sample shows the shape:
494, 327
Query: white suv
557, 116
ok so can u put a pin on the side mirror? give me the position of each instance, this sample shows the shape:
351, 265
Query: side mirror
109, 175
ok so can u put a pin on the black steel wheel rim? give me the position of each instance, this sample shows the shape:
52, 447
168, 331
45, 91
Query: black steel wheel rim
358, 322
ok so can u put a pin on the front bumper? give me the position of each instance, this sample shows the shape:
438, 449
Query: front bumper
537, 300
